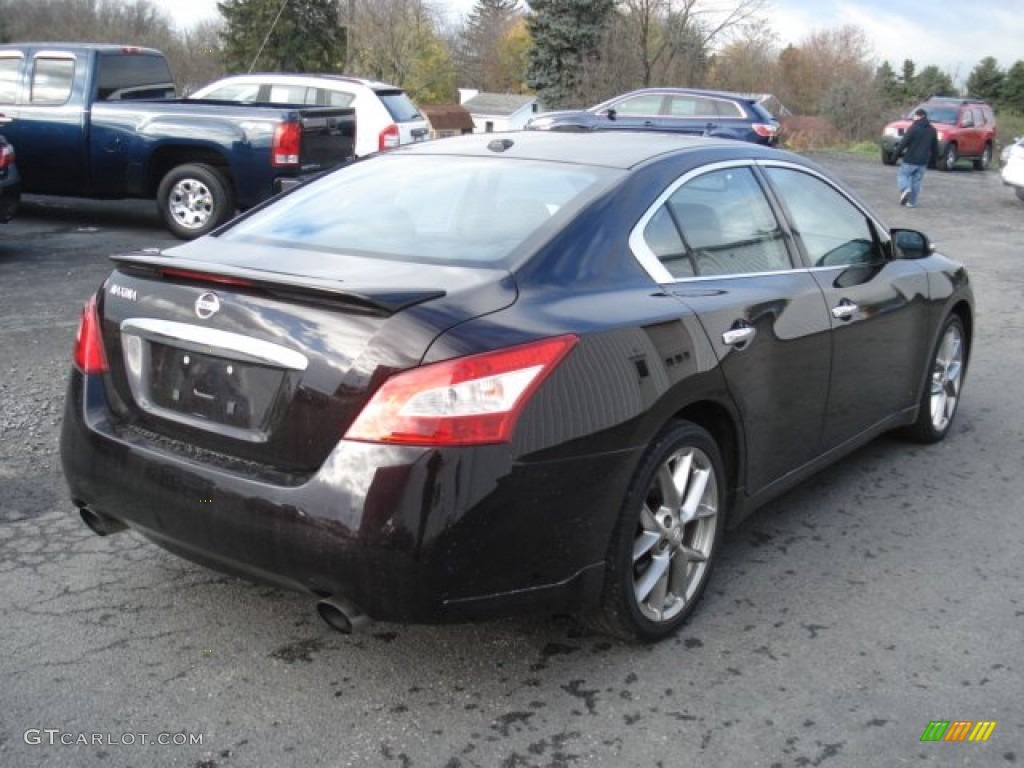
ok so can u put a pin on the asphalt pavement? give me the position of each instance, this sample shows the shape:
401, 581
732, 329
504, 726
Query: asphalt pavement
845, 618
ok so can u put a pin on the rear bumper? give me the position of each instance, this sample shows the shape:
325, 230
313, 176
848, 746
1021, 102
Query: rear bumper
406, 533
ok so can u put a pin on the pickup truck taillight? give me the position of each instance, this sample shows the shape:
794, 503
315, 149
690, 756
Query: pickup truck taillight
389, 138
6, 156
287, 139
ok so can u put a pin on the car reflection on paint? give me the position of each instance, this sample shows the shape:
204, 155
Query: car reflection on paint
494, 374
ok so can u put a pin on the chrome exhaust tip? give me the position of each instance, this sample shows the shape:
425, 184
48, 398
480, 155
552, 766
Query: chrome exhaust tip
341, 614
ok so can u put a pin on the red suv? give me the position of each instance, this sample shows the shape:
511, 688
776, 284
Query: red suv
967, 129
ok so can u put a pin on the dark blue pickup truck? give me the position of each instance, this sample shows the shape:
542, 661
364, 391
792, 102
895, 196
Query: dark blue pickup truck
100, 121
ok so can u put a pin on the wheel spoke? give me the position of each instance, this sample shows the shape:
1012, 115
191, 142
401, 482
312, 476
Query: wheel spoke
655, 572
643, 544
671, 492
695, 494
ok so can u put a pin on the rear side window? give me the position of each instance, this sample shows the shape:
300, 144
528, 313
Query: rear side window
399, 106
123, 76
279, 93
10, 77
51, 80
727, 224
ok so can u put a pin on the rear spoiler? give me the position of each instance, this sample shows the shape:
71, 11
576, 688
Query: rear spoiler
382, 300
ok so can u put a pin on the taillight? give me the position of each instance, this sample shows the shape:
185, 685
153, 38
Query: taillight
767, 130
89, 354
389, 138
287, 140
472, 400
6, 156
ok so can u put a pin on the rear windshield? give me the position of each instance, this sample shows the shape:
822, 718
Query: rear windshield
399, 106
132, 76
761, 112
428, 208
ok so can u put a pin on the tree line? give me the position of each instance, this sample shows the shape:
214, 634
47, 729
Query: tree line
572, 53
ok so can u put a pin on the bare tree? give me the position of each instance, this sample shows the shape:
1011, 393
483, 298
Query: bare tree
662, 31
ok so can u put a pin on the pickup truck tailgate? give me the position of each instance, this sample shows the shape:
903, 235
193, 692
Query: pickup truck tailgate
323, 130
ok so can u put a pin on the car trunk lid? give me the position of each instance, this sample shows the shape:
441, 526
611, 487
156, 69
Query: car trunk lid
259, 362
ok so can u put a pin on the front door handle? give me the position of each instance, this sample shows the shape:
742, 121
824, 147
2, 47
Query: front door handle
739, 336
844, 310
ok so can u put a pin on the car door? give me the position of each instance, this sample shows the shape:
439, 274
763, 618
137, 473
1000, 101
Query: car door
714, 242
689, 114
636, 113
878, 306
48, 124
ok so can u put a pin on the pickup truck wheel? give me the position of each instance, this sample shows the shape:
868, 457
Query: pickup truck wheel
194, 199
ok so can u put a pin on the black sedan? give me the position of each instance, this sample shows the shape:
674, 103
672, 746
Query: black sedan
688, 111
493, 374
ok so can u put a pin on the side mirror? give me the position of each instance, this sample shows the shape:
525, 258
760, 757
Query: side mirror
911, 244
611, 113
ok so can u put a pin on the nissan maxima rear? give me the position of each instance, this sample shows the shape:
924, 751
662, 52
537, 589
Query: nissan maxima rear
490, 375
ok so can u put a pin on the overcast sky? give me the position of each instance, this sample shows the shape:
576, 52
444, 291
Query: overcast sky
951, 34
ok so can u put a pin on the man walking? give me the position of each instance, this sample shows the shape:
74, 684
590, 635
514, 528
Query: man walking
918, 148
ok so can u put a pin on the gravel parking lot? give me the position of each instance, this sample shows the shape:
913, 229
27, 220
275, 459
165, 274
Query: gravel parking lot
884, 594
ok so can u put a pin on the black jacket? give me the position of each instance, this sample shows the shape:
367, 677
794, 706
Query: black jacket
920, 144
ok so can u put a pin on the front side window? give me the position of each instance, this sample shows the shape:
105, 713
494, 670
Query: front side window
51, 80
724, 225
833, 230
647, 104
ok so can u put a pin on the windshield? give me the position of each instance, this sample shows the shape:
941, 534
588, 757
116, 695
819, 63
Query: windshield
947, 115
428, 208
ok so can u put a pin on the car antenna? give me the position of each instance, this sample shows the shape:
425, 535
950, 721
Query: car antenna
267, 37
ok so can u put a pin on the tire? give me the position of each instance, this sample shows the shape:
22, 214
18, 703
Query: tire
194, 199
947, 162
888, 158
1019, 192
941, 394
982, 163
667, 537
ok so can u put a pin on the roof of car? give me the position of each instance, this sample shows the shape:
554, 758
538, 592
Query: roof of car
614, 149
303, 76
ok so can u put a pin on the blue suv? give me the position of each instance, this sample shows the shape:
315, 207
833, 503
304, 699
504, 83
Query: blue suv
697, 112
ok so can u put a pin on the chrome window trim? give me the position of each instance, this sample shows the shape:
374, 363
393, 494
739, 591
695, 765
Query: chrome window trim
657, 271
212, 340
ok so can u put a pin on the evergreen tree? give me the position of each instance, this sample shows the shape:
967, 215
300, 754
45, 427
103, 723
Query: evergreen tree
932, 81
282, 35
566, 34
889, 86
985, 80
1012, 93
